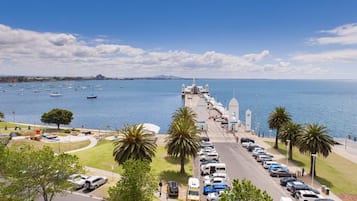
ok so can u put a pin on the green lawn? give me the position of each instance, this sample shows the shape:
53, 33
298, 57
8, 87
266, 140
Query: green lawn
57, 147
334, 171
164, 167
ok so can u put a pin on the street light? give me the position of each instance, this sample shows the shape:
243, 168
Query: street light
313, 169
287, 151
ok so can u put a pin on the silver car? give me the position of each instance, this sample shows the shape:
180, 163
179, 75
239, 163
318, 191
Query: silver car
94, 182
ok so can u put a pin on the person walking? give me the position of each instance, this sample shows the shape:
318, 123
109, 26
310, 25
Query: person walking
302, 172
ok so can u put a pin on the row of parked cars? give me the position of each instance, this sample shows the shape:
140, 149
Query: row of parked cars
213, 172
86, 182
297, 188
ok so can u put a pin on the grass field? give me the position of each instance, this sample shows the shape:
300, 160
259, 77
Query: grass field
57, 147
164, 167
336, 172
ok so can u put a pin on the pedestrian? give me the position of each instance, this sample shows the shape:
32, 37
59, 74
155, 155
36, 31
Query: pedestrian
160, 186
237, 139
302, 172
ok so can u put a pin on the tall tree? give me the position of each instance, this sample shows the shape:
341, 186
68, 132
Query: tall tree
315, 140
30, 173
277, 119
136, 183
182, 140
134, 143
245, 191
2, 115
290, 131
57, 116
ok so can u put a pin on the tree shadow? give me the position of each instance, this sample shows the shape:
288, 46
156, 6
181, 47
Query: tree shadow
299, 163
175, 160
171, 175
324, 181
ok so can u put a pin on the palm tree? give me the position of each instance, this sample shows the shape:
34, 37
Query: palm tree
276, 120
182, 140
184, 112
134, 143
290, 131
315, 139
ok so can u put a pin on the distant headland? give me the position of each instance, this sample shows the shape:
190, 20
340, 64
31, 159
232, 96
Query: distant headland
79, 78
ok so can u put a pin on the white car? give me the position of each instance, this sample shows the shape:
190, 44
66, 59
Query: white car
209, 156
267, 164
212, 196
307, 195
78, 180
94, 182
214, 180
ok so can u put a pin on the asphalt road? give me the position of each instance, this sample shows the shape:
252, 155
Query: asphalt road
72, 197
240, 164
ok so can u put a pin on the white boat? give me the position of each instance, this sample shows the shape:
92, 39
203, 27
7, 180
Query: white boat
55, 94
91, 97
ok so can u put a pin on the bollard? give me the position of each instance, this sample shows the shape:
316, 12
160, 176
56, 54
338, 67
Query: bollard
323, 188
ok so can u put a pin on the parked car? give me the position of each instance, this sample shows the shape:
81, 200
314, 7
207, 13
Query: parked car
252, 146
267, 164
172, 189
205, 139
213, 196
94, 182
218, 187
245, 139
77, 180
306, 195
289, 185
281, 172
285, 180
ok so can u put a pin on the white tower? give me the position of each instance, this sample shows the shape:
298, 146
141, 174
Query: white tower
233, 110
248, 120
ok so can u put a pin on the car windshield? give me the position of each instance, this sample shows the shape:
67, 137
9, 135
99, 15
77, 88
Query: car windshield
195, 193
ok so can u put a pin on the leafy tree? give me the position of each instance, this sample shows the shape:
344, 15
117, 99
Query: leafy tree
315, 139
182, 140
2, 115
277, 119
244, 191
136, 183
134, 143
57, 116
291, 131
30, 173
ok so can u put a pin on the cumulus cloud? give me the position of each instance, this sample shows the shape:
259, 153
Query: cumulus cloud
343, 35
28, 52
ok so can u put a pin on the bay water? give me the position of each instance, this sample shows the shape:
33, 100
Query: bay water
119, 102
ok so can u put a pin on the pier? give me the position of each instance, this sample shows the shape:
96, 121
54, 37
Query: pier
239, 162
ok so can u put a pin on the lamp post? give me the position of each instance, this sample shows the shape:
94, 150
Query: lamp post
313, 169
287, 151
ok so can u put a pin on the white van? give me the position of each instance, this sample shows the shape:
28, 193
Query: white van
193, 191
211, 168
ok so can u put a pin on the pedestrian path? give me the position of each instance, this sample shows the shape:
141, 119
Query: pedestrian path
93, 142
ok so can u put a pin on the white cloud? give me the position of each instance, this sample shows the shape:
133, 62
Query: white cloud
347, 55
343, 35
28, 52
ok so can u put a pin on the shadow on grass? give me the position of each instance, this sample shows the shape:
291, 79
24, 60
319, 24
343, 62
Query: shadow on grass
171, 175
324, 181
299, 163
175, 160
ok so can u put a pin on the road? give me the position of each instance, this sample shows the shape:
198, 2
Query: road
240, 164
72, 197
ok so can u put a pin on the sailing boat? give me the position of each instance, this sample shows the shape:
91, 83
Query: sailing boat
92, 96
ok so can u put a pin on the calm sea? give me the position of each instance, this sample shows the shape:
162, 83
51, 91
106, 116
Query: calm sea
329, 102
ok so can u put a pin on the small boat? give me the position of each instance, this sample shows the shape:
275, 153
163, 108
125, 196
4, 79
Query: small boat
91, 97
55, 94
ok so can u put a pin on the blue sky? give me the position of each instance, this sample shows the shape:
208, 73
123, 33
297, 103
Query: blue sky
279, 39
